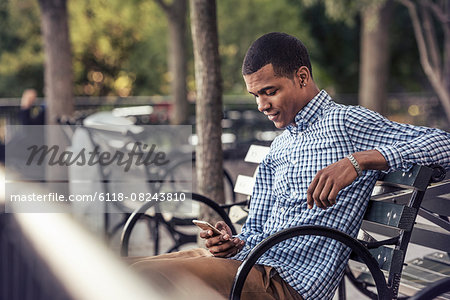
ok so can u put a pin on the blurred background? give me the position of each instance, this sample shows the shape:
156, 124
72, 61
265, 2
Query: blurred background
132, 63
133, 52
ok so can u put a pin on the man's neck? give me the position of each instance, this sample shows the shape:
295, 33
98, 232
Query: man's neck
312, 91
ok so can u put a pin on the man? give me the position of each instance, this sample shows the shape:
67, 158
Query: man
320, 170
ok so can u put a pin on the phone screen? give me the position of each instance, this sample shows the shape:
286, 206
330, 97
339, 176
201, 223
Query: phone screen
206, 226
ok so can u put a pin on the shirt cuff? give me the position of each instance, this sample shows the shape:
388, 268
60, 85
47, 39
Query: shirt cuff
393, 157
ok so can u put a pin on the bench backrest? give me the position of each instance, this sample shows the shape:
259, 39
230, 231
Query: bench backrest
385, 212
393, 213
244, 184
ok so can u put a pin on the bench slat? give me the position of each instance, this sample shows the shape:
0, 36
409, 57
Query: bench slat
437, 197
383, 256
442, 258
390, 214
414, 276
414, 270
410, 286
256, 154
422, 234
244, 185
433, 266
417, 177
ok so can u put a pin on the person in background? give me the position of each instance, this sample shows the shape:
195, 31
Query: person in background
29, 113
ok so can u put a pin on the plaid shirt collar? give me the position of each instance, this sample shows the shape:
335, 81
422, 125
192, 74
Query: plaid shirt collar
309, 114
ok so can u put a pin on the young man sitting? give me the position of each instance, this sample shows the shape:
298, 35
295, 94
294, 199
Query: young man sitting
321, 170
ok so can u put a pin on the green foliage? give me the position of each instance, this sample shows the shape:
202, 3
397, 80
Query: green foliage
336, 51
120, 47
343, 10
21, 53
116, 49
242, 22
406, 73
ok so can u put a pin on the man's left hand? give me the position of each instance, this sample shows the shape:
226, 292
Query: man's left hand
327, 183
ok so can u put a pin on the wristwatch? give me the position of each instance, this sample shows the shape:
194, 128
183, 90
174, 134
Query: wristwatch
355, 164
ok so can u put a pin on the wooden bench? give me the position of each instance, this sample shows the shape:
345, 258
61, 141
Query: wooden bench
392, 212
431, 230
395, 203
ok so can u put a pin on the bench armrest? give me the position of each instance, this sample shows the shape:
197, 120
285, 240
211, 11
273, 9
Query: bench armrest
382, 288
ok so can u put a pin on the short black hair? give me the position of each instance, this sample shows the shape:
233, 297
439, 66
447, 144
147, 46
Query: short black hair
285, 52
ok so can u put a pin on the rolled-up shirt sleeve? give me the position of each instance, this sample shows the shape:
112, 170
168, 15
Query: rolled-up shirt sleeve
402, 145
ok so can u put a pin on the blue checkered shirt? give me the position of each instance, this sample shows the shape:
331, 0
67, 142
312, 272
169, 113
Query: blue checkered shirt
325, 132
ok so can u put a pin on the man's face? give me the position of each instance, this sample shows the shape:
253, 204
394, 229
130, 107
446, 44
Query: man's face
279, 98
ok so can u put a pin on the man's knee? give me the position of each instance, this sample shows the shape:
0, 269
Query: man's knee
186, 274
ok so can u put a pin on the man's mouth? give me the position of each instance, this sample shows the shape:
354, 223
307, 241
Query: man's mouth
272, 116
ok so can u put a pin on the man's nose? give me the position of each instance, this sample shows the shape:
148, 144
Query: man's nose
263, 104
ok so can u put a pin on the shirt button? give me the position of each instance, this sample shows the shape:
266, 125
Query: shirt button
283, 209
294, 161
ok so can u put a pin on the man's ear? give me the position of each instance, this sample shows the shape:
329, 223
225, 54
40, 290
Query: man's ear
302, 75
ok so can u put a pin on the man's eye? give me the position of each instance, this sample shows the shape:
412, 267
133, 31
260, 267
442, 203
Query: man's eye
272, 93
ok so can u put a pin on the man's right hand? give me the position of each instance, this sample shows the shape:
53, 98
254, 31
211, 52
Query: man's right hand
223, 245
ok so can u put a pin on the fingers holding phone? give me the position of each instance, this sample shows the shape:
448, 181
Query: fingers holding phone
226, 248
219, 240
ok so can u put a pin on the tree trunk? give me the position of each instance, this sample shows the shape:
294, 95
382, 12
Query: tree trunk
447, 51
177, 61
58, 75
209, 100
58, 79
374, 66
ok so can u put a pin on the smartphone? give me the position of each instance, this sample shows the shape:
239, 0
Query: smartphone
207, 226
